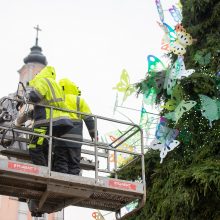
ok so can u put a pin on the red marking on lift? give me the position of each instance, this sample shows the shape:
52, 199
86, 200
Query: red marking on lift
23, 167
122, 185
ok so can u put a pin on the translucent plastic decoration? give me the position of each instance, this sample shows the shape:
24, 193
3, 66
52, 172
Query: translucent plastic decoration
157, 145
170, 105
177, 72
181, 69
168, 37
154, 64
170, 31
147, 121
149, 96
165, 134
160, 10
165, 138
183, 40
131, 146
124, 85
131, 206
176, 14
210, 108
97, 215
183, 107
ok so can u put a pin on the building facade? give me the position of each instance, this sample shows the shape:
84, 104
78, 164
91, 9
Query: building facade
10, 207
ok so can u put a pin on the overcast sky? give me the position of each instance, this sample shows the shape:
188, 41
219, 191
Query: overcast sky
88, 41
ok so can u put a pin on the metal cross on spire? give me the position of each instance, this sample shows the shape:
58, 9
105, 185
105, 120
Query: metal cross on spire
37, 29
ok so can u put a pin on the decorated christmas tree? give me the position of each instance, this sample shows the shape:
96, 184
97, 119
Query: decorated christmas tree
183, 162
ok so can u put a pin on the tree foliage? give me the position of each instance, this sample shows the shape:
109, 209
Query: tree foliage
186, 186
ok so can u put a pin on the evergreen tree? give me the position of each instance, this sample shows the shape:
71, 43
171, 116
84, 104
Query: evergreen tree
186, 186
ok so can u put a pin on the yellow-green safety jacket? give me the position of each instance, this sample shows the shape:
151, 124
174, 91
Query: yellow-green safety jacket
77, 103
45, 90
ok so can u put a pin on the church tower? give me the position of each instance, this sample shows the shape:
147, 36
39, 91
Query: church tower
10, 207
33, 63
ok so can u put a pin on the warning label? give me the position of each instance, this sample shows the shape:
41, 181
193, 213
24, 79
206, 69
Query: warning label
122, 185
23, 167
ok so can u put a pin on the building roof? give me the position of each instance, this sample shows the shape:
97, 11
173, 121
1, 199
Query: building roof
36, 55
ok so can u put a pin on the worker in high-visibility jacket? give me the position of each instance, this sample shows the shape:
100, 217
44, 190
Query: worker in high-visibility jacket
76, 103
43, 89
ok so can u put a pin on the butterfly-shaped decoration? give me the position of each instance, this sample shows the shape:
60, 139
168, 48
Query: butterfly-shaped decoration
161, 78
170, 32
154, 64
176, 14
175, 39
165, 43
157, 145
170, 105
168, 37
156, 71
147, 120
131, 206
170, 80
183, 40
165, 138
181, 69
154, 81
97, 215
160, 10
210, 108
165, 134
183, 107
177, 72
124, 85
122, 158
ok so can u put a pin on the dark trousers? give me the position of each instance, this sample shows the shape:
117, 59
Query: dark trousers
39, 153
66, 155
67, 160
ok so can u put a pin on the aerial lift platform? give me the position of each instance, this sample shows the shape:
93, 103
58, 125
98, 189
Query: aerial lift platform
54, 191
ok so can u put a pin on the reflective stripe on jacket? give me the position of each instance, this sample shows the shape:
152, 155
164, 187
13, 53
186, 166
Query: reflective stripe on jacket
76, 103
79, 104
45, 90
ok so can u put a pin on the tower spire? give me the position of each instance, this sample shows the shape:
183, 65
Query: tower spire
36, 55
37, 29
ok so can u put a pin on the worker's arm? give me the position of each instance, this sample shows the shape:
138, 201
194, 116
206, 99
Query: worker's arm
37, 90
90, 124
89, 120
24, 115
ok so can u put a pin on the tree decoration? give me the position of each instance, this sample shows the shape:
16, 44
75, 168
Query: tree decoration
160, 10
186, 184
183, 107
210, 108
183, 40
165, 139
176, 14
124, 85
